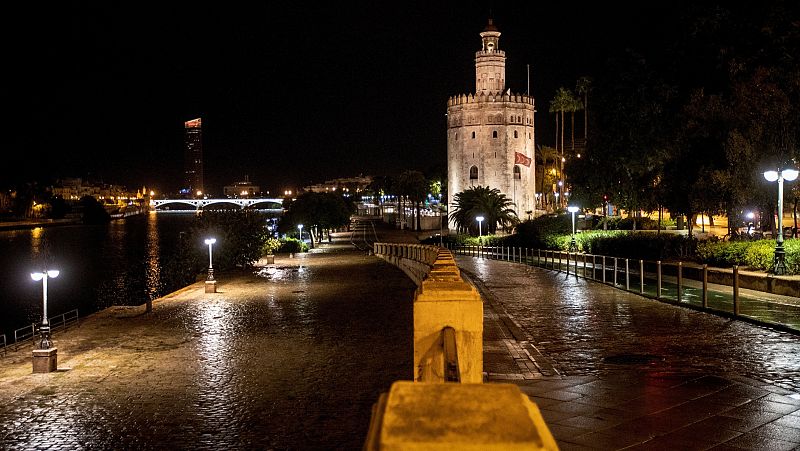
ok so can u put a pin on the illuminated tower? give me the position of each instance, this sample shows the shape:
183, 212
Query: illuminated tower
490, 133
193, 158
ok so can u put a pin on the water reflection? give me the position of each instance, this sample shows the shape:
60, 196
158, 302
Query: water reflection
153, 258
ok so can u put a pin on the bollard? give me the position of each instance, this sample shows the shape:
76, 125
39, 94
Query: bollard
680, 280
705, 285
627, 276
514, 254
604, 269
658, 279
735, 290
641, 276
615, 271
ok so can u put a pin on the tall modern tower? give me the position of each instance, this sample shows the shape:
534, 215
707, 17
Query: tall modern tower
490, 133
193, 158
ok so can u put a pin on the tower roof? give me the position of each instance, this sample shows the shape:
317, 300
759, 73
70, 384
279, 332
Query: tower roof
490, 26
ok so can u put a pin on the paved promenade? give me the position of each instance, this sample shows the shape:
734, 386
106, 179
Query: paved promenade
289, 360
613, 370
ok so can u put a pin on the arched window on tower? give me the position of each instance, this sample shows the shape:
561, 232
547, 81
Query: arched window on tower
515, 133
494, 134
473, 173
517, 173
473, 135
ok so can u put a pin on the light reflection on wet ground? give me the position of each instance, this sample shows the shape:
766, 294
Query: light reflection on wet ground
289, 360
586, 328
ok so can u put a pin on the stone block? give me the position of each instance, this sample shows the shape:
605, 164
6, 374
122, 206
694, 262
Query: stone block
45, 360
414, 416
211, 286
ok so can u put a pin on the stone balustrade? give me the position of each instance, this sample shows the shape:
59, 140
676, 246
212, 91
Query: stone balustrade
438, 415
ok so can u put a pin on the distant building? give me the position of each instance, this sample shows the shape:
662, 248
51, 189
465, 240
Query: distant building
73, 189
342, 185
490, 133
241, 189
193, 159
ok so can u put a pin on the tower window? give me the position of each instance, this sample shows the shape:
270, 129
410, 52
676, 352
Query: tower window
517, 173
473, 173
494, 134
515, 133
473, 135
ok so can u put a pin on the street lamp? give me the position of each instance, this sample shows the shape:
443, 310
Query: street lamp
300, 228
44, 329
480, 220
573, 246
778, 261
211, 284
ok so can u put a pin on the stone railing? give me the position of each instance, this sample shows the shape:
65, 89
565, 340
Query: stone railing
448, 346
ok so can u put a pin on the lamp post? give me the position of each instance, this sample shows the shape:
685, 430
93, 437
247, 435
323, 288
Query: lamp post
573, 246
45, 358
211, 283
480, 220
300, 228
778, 261
44, 329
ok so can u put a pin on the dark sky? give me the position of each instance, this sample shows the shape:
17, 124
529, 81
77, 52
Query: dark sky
288, 94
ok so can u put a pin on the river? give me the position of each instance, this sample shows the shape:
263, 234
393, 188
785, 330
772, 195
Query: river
119, 263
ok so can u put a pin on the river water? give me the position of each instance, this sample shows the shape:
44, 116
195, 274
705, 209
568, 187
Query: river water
119, 263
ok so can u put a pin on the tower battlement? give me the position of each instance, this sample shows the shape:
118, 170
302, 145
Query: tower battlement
489, 98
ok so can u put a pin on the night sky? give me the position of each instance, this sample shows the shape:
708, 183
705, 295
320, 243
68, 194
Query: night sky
289, 94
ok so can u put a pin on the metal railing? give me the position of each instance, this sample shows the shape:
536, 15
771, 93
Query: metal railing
26, 334
4, 343
674, 282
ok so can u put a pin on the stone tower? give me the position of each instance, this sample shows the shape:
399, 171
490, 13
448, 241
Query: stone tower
490, 134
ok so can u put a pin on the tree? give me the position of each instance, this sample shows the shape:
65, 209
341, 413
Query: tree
414, 186
582, 87
93, 211
317, 212
490, 203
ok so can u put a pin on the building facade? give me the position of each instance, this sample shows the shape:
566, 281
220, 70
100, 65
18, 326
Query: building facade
193, 158
490, 133
242, 189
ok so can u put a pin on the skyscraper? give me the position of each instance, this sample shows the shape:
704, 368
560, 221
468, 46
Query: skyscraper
193, 159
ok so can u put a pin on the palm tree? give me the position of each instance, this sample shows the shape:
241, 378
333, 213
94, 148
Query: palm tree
575, 104
414, 185
490, 203
560, 104
583, 87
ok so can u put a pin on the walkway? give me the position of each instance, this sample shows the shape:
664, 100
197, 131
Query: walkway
290, 359
612, 370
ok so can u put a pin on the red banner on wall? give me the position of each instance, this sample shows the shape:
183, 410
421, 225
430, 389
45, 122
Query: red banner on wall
522, 159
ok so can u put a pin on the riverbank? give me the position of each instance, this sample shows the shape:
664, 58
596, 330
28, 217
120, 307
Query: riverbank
32, 224
290, 357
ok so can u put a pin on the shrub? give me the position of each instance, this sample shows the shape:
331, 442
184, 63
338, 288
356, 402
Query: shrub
292, 245
271, 246
753, 254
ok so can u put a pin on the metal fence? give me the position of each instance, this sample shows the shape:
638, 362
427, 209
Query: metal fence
25, 335
673, 282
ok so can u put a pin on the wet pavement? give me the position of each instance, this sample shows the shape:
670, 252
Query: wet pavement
613, 370
290, 358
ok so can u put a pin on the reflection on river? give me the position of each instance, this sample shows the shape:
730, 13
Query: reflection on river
119, 263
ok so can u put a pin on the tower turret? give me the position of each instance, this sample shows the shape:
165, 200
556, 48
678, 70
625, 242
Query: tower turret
490, 62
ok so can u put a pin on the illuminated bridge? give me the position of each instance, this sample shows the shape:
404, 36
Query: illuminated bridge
273, 205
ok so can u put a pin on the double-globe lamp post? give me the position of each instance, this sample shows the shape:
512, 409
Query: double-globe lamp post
779, 260
44, 329
300, 228
211, 283
480, 220
573, 246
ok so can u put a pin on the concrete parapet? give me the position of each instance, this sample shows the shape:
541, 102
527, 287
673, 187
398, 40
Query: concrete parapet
457, 416
443, 299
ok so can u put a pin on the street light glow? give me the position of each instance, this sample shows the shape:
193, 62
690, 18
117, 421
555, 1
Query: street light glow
789, 174
211, 241
572, 209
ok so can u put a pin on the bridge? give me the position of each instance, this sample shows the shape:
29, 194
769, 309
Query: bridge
268, 204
